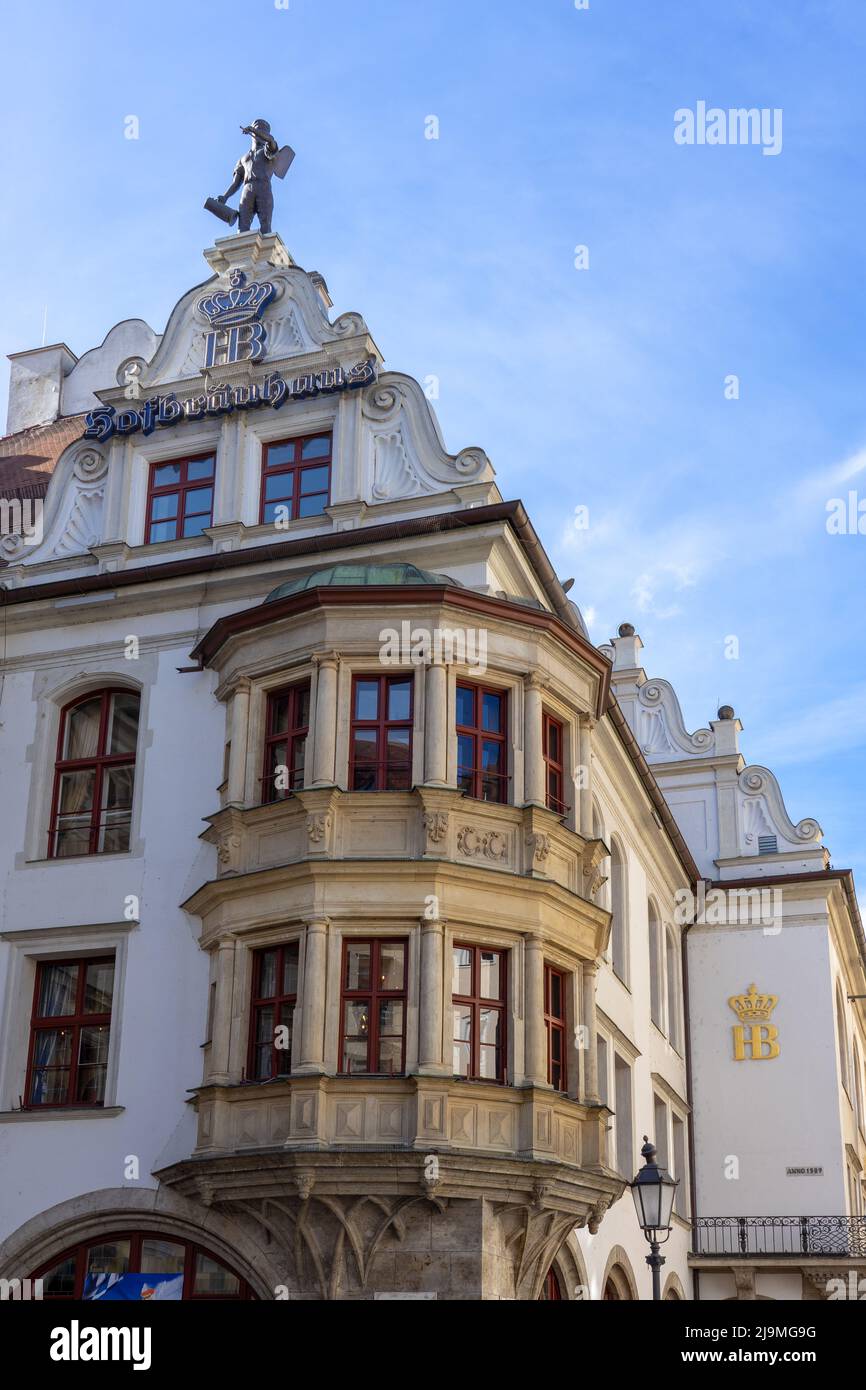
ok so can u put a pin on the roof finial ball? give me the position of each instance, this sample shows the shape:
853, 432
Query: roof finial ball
625, 630
726, 712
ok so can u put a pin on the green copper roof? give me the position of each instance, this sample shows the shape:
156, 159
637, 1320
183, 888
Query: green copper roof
397, 574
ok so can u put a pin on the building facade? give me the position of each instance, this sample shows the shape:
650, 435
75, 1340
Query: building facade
343, 953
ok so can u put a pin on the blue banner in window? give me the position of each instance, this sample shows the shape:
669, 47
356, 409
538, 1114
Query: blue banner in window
133, 1288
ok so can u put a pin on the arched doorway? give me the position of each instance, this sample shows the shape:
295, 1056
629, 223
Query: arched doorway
551, 1289
140, 1265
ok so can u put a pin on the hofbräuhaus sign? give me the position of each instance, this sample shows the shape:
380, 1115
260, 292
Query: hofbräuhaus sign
275, 390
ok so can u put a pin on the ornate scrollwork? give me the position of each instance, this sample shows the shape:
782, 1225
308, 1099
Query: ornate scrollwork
90, 465
349, 325
492, 844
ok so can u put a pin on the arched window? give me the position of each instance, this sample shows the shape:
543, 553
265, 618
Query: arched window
91, 809
673, 983
618, 907
655, 967
140, 1265
843, 1041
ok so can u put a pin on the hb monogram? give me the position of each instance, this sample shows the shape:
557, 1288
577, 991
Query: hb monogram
757, 1041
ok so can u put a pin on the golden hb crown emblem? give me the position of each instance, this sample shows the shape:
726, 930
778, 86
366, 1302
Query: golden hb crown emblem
753, 1006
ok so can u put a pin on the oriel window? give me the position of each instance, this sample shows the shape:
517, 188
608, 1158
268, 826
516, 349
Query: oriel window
373, 1004
275, 994
380, 756
552, 742
482, 755
287, 724
555, 1027
478, 1011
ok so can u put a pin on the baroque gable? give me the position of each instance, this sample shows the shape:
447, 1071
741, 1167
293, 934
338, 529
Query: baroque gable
249, 355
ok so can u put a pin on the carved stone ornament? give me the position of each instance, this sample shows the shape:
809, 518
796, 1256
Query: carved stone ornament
436, 826
318, 826
596, 1216
228, 852
593, 878
491, 844
539, 844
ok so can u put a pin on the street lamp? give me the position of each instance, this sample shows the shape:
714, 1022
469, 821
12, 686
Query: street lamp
653, 1191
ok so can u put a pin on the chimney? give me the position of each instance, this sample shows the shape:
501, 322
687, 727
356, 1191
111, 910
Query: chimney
36, 385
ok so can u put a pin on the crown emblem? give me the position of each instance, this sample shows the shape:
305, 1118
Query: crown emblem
240, 303
752, 1005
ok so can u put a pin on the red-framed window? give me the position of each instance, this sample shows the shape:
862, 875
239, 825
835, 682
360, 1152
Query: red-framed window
94, 775
272, 1011
287, 724
180, 498
70, 1028
482, 754
373, 1007
296, 476
380, 755
555, 1027
144, 1265
554, 757
478, 1005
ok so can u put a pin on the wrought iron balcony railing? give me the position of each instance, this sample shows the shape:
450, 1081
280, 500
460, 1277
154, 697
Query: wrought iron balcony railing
743, 1236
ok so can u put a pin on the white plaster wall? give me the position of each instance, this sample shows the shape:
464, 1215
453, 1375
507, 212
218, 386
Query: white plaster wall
773, 1113
159, 1022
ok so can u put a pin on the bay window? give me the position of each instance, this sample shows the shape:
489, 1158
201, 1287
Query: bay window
275, 994
554, 776
555, 1027
478, 1012
482, 755
373, 1007
380, 757
287, 724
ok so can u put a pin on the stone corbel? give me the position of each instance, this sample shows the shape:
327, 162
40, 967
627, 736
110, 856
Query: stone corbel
596, 1216
226, 831
435, 822
592, 878
320, 807
538, 824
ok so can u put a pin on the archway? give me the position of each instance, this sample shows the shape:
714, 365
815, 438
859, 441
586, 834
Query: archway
52, 1237
618, 1283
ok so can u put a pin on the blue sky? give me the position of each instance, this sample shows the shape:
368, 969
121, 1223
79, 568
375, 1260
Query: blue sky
602, 387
